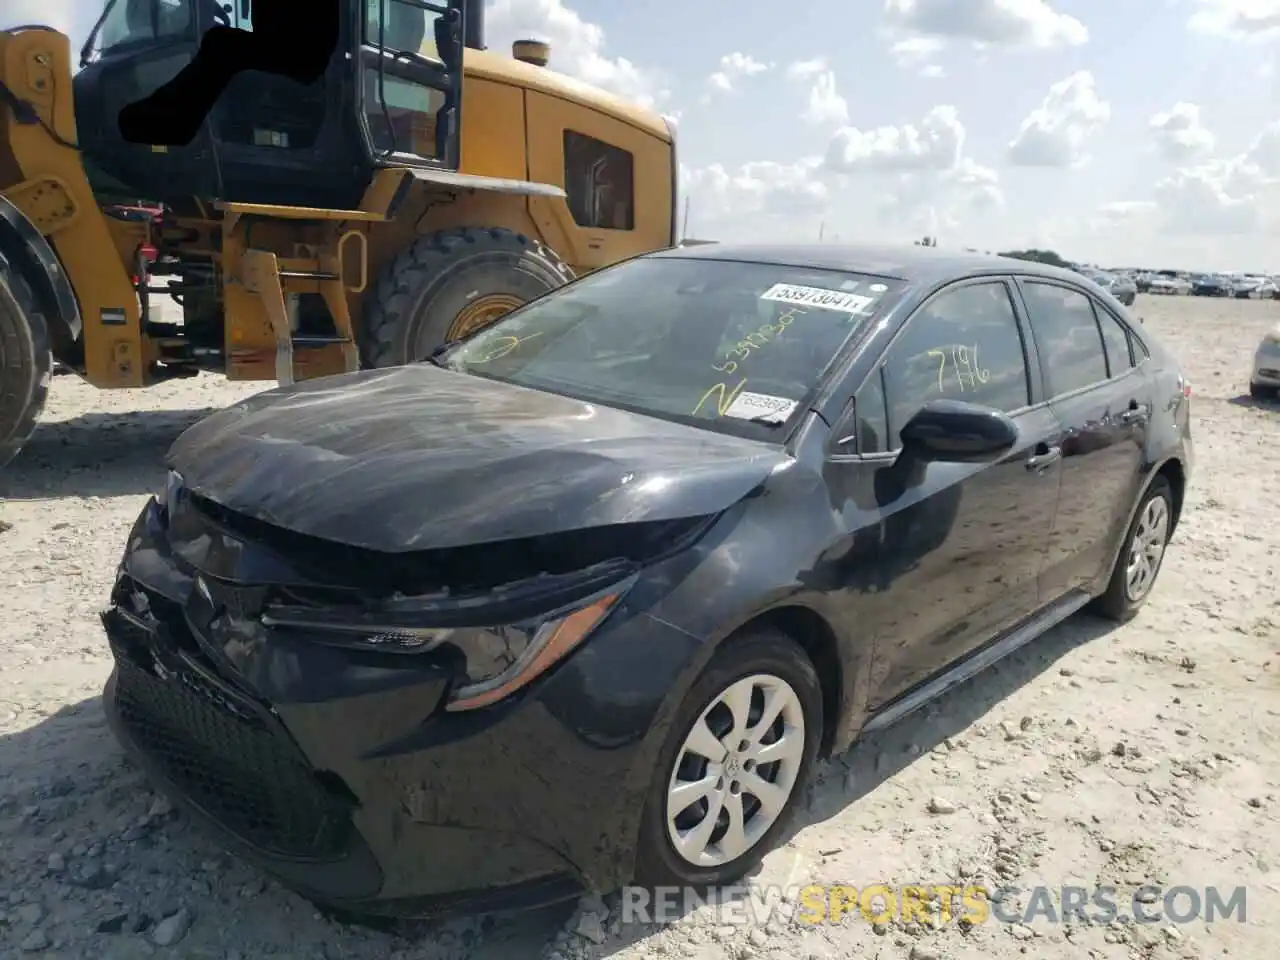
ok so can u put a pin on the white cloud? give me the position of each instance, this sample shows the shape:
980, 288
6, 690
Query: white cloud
926, 27
825, 107
1180, 134
1056, 133
577, 47
1239, 19
733, 67
807, 69
1207, 200
756, 200
934, 144
1225, 197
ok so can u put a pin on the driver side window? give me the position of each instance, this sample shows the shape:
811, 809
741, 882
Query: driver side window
964, 344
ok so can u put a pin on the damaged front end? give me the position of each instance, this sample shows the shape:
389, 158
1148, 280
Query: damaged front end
305, 696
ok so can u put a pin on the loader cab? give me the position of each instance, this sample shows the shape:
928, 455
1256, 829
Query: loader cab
391, 96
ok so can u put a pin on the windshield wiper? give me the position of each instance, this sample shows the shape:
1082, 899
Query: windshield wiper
434, 356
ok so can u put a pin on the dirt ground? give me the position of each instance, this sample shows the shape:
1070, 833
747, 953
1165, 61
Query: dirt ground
1145, 754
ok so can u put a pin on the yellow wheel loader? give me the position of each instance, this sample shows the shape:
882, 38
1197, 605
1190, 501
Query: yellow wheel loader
417, 190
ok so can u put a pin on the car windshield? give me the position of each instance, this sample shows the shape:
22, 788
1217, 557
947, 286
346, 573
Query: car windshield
731, 346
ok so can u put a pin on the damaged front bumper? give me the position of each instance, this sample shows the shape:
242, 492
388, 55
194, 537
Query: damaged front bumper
341, 771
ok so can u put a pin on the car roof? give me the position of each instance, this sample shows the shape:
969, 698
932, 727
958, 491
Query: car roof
907, 262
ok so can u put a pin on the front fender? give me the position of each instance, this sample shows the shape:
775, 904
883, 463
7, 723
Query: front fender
30, 253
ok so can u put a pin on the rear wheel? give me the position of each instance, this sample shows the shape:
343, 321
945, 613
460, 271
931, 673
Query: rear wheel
450, 284
1140, 558
1261, 392
25, 363
736, 762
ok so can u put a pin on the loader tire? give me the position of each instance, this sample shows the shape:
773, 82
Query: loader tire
26, 364
449, 284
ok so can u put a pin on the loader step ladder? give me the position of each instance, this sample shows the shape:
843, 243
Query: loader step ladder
273, 278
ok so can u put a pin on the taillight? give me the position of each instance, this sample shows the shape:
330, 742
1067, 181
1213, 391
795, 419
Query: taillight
149, 251
1185, 386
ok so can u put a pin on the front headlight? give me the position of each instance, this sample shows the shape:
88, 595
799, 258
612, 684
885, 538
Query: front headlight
167, 495
491, 663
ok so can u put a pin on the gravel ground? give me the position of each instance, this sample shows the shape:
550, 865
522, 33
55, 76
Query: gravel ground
1099, 756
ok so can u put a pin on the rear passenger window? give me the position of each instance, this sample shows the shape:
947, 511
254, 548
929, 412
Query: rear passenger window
1066, 333
964, 344
1116, 339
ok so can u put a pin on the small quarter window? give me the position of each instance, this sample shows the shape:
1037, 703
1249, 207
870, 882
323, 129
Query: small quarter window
872, 417
599, 180
1116, 339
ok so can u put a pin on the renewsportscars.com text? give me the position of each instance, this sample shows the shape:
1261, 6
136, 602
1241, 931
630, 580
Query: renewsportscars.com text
941, 903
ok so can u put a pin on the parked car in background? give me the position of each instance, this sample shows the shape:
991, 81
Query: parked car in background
1169, 286
1264, 381
1120, 287
1143, 282
1211, 285
1251, 287
582, 599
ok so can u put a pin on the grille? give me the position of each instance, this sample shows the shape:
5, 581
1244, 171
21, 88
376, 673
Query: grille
229, 762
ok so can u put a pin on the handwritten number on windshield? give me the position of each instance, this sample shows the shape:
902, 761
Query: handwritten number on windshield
754, 341
965, 367
503, 346
724, 397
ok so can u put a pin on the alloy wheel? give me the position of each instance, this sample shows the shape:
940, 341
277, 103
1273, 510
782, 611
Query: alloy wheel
1146, 549
735, 770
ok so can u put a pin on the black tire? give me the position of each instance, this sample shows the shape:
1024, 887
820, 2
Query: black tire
762, 651
1260, 391
1115, 603
412, 308
26, 363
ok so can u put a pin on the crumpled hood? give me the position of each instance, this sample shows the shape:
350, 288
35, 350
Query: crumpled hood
418, 458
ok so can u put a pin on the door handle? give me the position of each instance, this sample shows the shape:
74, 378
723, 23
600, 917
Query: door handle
1135, 414
1044, 457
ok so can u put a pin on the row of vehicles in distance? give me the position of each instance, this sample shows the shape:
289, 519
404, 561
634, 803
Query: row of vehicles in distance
1242, 286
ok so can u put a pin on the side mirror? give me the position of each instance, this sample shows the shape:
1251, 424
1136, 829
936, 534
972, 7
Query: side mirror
952, 431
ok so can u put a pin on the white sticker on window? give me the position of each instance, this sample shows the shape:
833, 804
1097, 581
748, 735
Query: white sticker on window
761, 406
817, 297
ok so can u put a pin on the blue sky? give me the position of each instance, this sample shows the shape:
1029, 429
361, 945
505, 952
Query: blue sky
1141, 132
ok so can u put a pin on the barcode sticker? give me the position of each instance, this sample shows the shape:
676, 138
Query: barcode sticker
761, 406
817, 298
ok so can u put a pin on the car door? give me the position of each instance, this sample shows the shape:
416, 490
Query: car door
959, 546
1103, 403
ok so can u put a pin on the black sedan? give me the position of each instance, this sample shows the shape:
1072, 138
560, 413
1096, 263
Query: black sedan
584, 598
1211, 286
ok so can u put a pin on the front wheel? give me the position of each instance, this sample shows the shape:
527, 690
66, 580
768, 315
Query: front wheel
26, 363
735, 764
1259, 391
450, 284
1141, 556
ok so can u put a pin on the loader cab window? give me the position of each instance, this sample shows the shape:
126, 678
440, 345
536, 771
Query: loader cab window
131, 24
262, 110
400, 75
599, 180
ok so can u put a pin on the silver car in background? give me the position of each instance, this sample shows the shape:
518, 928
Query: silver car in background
1264, 381
1120, 287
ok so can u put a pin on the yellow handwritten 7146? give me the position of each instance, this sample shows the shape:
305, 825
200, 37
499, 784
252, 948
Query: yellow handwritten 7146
965, 361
